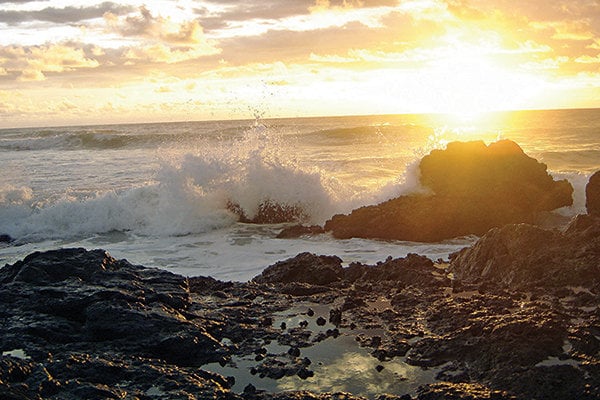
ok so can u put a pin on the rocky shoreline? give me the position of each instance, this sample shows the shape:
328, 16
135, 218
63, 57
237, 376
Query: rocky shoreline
515, 316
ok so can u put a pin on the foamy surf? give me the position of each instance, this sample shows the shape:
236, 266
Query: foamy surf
158, 194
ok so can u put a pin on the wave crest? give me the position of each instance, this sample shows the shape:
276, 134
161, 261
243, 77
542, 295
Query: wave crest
191, 194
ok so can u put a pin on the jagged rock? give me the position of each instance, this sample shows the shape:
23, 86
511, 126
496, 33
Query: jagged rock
6, 238
270, 212
460, 391
73, 295
524, 256
592, 194
410, 270
304, 268
474, 188
500, 172
58, 340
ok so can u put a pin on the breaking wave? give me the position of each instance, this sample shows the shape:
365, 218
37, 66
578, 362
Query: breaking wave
191, 193
101, 138
203, 171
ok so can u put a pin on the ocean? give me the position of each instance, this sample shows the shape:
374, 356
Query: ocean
157, 193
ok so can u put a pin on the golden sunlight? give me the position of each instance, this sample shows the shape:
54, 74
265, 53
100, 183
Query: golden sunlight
467, 83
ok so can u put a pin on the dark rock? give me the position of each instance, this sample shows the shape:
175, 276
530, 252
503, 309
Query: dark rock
294, 352
592, 194
261, 351
70, 300
189, 349
270, 212
335, 332
6, 238
376, 341
305, 373
524, 256
460, 391
310, 312
301, 289
304, 268
498, 172
250, 389
474, 188
297, 231
335, 316
59, 265
413, 270
95, 327
379, 368
352, 302
208, 285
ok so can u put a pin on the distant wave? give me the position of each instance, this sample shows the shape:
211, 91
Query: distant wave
367, 132
572, 159
105, 139
49, 140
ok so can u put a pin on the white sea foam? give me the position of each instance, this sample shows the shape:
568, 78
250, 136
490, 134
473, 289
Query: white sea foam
578, 180
190, 195
157, 194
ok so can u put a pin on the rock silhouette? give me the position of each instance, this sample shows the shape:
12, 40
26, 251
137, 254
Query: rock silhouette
592, 194
473, 188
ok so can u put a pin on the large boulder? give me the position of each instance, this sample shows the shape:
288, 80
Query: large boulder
473, 188
270, 212
500, 172
304, 268
592, 194
74, 296
522, 257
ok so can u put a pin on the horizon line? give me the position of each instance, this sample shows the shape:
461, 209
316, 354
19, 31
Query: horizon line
433, 113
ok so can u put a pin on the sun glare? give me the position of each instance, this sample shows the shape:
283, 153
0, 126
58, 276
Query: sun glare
466, 85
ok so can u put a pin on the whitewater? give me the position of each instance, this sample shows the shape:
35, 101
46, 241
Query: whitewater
158, 194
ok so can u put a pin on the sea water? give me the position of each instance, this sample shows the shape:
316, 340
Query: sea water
157, 194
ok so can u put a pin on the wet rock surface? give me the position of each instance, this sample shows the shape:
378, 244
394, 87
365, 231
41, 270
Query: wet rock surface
519, 320
473, 188
270, 212
524, 257
592, 194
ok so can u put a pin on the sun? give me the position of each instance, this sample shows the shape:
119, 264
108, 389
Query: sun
467, 84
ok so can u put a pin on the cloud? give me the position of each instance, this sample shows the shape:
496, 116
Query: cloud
588, 59
322, 5
567, 30
163, 89
62, 15
146, 25
210, 44
333, 37
31, 63
546, 64
161, 53
234, 11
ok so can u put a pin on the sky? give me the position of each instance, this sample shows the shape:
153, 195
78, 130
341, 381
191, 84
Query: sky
64, 63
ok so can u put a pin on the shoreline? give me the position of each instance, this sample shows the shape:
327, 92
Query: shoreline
83, 324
